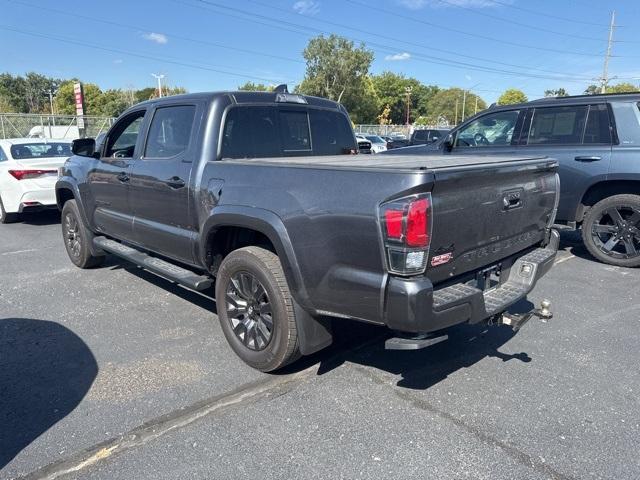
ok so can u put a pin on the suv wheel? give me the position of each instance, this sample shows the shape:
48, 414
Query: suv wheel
611, 230
255, 309
76, 237
7, 217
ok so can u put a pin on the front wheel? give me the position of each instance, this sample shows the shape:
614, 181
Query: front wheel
611, 230
76, 237
7, 217
255, 309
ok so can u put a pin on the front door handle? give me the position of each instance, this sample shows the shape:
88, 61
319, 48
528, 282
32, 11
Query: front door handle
175, 182
123, 177
587, 159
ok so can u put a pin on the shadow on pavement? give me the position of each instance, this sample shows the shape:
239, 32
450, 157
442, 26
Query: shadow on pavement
571, 242
45, 371
46, 217
419, 369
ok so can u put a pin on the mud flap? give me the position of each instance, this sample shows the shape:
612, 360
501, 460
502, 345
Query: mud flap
314, 333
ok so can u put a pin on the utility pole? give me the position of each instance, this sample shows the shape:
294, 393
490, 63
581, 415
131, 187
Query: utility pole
408, 90
476, 109
50, 92
605, 71
159, 77
456, 122
464, 102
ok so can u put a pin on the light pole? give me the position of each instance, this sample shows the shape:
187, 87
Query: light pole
408, 91
50, 92
159, 77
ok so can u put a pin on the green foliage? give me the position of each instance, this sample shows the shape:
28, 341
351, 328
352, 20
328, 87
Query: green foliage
255, 87
619, 88
511, 96
446, 106
560, 92
337, 70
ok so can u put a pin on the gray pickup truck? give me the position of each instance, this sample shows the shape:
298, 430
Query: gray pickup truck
265, 196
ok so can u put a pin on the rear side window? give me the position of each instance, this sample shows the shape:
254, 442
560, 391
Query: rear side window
557, 125
170, 131
420, 135
597, 130
261, 132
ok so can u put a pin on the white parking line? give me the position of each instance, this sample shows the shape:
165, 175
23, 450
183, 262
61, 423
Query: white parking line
564, 259
15, 252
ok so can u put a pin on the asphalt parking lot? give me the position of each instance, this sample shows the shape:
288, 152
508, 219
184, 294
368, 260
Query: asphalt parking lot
115, 373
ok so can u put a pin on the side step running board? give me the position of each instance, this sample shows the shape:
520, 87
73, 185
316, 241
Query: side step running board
160, 267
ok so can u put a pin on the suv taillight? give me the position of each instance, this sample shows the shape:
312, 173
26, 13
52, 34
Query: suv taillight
27, 174
406, 230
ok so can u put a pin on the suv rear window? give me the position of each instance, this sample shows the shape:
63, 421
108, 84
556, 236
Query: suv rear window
260, 132
557, 125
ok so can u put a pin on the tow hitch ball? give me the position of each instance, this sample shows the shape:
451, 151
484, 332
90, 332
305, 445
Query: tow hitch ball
517, 320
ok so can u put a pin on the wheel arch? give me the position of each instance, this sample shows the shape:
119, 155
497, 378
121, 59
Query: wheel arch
604, 189
263, 226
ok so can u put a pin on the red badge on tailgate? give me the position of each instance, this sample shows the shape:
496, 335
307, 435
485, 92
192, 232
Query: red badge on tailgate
441, 259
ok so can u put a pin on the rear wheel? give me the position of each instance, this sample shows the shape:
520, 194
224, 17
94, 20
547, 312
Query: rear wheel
7, 217
255, 309
611, 230
76, 237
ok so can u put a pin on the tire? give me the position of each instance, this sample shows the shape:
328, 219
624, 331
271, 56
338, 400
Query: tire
7, 217
76, 237
611, 230
255, 309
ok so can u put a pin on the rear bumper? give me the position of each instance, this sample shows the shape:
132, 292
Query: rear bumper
412, 305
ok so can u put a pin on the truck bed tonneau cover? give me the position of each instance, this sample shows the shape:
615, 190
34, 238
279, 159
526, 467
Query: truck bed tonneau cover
385, 162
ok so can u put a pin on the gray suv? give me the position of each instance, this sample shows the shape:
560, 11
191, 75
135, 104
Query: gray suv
595, 138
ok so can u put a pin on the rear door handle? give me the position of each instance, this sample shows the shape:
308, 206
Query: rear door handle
587, 159
175, 182
123, 177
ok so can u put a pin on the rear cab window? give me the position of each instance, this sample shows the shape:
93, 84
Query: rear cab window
274, 131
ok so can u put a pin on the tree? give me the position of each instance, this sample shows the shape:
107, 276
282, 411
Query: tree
592, 90
336, 69
255, 87
384, 117
36, 87
512, 95
560, 92
65, 98
447, 105
622, 88
12, 88
111, 103
392, 91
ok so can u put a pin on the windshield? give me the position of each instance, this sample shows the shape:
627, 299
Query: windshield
375, 139
40, 150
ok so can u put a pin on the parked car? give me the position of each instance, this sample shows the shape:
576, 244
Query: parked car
425, 136
28, 173
595, 138
378, 144
259, 191
397, 142
364, 145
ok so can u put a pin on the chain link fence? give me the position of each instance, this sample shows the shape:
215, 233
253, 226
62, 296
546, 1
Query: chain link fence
395, 130
23, 125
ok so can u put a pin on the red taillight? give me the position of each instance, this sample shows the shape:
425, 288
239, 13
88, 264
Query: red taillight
393, 222
406, 229
27, 174
418, 223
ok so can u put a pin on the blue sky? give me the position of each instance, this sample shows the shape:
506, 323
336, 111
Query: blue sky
483, 45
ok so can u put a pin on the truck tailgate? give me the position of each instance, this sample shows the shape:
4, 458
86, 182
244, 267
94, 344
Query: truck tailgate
485, 212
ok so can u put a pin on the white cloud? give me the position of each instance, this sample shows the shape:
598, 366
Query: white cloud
418, 4
398, 57
118, 61
307, 7
160, 38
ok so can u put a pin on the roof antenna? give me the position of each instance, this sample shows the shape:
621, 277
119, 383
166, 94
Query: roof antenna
282, 88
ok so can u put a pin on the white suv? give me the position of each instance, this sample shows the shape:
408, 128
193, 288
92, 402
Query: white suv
28, 174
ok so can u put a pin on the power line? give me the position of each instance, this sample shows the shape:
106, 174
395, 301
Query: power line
469, 34
548, 15
514, 22
419, 56
169, 60
138, 28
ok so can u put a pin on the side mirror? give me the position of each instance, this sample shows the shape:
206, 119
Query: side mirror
447, 145
84, 147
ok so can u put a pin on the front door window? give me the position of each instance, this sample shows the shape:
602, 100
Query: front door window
492, 130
